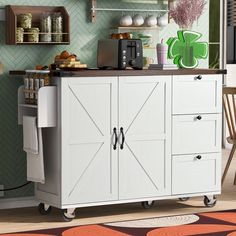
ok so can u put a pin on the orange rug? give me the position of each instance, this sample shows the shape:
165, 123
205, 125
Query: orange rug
208, 224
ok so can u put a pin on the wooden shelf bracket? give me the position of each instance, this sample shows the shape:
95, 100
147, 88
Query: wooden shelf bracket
93, 12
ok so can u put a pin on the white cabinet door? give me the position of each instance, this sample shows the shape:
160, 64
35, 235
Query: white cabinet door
145, 116
191, 95
196, 133
196, 173
89, 163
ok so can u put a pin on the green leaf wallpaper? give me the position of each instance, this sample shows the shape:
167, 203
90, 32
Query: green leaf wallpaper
84, 36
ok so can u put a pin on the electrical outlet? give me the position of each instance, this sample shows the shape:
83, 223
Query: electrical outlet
1, 192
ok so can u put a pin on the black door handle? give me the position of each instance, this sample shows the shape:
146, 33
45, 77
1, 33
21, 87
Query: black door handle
199, 77
198, 117
116, 138
122, 138
199, 157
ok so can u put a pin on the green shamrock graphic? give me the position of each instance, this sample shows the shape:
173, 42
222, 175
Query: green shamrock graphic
185, 50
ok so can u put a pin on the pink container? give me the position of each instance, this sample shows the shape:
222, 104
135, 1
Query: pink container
162, 53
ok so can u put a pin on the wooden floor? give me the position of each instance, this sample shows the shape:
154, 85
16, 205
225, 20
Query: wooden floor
16, 220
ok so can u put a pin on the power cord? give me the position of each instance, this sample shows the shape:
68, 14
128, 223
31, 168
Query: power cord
10, 189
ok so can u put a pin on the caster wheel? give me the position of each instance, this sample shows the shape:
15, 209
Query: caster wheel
67, 216
43, 210
184, 199
210, 202
148, 204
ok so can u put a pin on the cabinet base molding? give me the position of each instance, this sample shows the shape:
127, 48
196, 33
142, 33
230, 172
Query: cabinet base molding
174, 197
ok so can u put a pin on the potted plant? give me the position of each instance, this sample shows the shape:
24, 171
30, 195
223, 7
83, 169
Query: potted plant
185, 49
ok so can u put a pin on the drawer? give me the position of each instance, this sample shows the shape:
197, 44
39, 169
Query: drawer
196, 133
193, 175
191, 95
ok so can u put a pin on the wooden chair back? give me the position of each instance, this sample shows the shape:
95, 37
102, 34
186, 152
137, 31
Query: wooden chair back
229, 94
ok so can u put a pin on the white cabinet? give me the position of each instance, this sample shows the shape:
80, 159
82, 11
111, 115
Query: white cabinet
127, 139
89, 163
145, 116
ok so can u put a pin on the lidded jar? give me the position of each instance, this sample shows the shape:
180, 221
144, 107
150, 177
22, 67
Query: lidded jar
57, 27
19, 35
46, 27
33, 35
25, 20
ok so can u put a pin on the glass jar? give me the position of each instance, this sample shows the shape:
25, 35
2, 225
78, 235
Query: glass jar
46, 27
33, 35
26, 88
25, 20
57, 27
19, 35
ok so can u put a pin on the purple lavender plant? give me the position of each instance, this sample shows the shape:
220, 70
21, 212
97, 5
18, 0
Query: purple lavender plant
186, 12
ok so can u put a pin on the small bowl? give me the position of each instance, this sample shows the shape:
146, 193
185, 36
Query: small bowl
162, 21
151, 21
126, 20
138, 20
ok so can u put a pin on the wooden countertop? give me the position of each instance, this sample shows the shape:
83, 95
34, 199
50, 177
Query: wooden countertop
145, 72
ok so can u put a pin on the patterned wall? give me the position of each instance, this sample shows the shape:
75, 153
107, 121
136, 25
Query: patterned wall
84, 36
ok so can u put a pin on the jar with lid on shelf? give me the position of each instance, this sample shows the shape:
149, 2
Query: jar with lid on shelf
46, 27
31, 89
26, 88
57, 27
19, 35
25, 20
33, 35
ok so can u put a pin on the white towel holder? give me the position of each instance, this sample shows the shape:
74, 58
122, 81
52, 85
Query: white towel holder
45, 111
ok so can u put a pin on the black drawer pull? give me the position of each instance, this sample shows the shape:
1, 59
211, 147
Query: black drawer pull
199, 77
198, 117
199, 157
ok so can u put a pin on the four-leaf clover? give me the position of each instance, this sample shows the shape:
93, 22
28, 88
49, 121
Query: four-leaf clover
185, 50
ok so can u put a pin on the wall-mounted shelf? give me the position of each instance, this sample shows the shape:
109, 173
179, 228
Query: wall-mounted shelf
94, 9
28, 105
43, 43
12, 11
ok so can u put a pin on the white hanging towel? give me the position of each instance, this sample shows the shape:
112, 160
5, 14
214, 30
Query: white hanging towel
33, 146
30, 135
